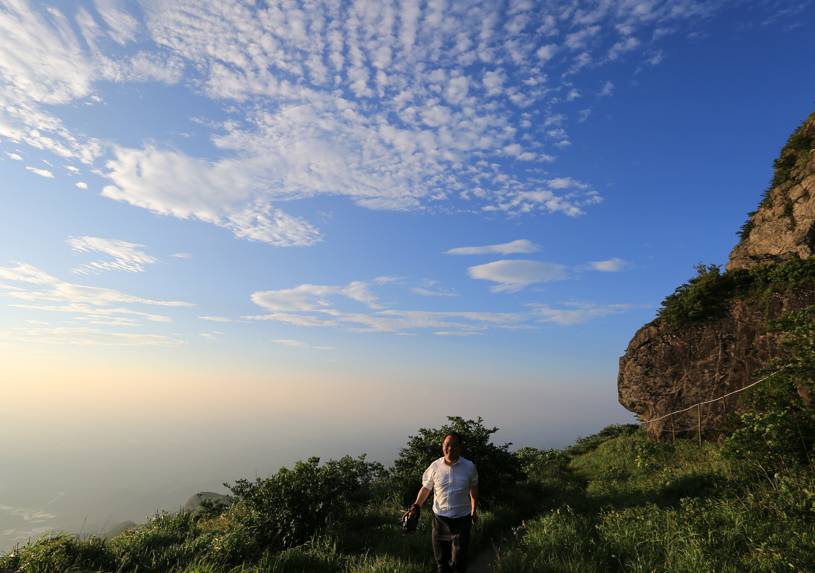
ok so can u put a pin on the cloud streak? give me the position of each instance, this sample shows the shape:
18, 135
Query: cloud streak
124, 256
520, 246
514, 275
99, 308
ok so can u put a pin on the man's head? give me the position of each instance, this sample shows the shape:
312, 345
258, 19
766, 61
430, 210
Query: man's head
451, 447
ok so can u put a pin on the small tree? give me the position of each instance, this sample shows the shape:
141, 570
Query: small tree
497, 467
777, 434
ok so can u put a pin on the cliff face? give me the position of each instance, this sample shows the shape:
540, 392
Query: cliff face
784, 224
668, 367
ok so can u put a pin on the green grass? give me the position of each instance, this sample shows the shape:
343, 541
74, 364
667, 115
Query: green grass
651, 506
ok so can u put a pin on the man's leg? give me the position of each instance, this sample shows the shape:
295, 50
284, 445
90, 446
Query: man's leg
442, 546
461, 544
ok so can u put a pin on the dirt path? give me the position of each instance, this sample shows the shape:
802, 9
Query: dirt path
483, 561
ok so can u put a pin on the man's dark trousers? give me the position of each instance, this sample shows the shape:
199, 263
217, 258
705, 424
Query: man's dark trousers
451, 541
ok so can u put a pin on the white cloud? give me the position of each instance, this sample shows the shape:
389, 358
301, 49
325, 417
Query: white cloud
622, 47
101, 309
15, 156
172, 183
308, 297
514, 275
392, 105
291, 343
566, 183
607, 89
42, 62
510, 248
215, 318
122, 27
575, 312
52, 289
610, 265
88, 336
311, 305
124, 256
81, 185
546, 52
41, 172
432, 288
181, 255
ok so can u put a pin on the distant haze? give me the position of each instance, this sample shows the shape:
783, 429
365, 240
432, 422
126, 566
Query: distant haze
115, 447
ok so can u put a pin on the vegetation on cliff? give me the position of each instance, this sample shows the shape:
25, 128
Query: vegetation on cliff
710, 293
787, 168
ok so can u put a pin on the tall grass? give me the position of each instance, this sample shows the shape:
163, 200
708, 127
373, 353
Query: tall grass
651, 506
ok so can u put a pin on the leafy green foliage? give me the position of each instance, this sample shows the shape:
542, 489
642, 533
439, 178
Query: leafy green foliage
746, 227
498, 469
793, 157
710, 293
707, 295
777, 432
794, 153
293, 505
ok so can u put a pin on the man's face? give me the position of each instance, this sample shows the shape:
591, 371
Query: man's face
451, 448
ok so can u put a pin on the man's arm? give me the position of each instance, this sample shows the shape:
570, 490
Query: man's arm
421, 497
474, 502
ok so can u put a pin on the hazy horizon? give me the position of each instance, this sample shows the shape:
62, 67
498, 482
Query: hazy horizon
87, 471
239, 234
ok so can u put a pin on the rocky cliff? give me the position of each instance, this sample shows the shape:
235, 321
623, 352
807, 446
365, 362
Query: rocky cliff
715, 332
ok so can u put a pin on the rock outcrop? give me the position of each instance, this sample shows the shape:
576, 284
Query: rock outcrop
668, 367
197, 501
784, 224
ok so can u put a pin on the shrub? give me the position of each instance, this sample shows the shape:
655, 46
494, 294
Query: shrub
497, 468
293, 505
777, 432
710, 293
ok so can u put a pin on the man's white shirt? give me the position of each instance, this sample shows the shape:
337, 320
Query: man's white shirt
450, 485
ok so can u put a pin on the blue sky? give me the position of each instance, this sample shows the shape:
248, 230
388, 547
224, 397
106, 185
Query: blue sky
396, 210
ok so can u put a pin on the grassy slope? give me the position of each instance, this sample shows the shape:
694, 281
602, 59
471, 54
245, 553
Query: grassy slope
649, 507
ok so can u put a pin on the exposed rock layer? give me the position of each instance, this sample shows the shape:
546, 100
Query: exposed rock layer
666, 369
784, 225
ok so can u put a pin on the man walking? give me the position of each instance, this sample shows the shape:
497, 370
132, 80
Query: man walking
453, 480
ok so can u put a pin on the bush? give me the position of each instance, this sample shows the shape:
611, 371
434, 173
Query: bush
777, 432
498, 469
293, 505
710, 293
